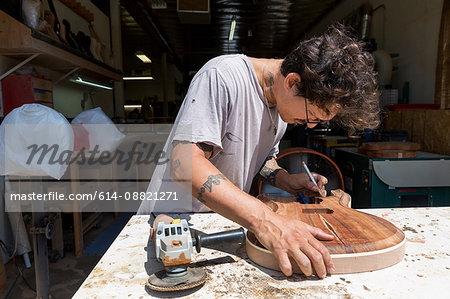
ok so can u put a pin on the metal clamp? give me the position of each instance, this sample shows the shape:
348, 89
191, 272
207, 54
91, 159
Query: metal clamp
48, 230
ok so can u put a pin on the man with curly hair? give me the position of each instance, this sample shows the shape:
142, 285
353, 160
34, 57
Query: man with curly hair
237, 109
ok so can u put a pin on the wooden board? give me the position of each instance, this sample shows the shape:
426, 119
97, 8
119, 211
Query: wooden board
391, 145
391, 154
437, 138
362, 242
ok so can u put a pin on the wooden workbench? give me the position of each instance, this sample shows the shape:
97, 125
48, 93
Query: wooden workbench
424, 272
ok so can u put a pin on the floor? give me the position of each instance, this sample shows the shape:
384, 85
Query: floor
66, 274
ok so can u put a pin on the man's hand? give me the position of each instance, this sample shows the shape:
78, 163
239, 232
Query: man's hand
286, 237
301, 182
273, 174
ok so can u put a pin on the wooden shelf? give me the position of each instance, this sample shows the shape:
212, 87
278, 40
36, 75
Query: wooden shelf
19, 41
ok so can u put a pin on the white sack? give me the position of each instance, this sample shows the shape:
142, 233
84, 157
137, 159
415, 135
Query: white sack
103, 133
35, 140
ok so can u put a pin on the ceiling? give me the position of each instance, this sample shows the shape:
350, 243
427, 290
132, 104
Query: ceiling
263, 29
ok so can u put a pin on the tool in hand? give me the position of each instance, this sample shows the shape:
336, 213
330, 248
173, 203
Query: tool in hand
174, 246
311, 177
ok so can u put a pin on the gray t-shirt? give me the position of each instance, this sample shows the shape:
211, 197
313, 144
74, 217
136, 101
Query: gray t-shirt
224, 107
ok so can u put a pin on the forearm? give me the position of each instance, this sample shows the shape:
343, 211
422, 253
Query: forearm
214, 190
224, 197
275, 175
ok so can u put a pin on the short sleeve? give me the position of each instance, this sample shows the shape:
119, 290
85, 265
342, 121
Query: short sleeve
203, 115
274, 151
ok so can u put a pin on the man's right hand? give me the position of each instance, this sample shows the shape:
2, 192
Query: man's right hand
286, 237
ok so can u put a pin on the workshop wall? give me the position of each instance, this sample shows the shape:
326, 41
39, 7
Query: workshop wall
411, 30
137, 90
68, 99
427, 127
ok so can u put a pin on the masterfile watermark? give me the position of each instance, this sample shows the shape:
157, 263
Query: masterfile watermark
96, 195
146, 156
47, 150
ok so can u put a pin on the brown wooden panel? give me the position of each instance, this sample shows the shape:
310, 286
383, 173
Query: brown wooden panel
393, 120
391, 154
13, 34
418, 131
408, 123
442, 90
429, 128
437, 137
390, 145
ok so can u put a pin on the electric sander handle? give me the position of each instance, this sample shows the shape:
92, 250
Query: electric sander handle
228, 237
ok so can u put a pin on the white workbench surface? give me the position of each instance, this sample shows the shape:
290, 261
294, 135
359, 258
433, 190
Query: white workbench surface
424, 272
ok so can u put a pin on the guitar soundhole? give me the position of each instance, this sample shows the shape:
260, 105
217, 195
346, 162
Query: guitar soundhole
318, 211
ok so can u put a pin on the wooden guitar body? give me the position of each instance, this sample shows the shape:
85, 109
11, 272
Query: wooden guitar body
362, 242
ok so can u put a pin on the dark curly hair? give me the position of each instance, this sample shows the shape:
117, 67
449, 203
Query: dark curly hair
335, 69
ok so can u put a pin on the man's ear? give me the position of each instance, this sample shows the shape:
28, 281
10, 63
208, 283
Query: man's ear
291, 81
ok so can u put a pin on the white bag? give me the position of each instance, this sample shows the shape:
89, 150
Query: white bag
35, 140
103, 133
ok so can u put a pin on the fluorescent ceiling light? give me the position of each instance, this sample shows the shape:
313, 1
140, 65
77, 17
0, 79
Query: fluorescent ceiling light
79, 80
143, 57
232, 27
132, 106
139, 78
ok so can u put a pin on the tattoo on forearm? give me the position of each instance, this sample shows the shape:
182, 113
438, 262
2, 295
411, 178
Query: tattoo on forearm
176, 164
269, 171
271, 178
213, 179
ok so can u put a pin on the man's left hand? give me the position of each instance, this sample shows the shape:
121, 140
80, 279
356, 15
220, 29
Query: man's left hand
301, 182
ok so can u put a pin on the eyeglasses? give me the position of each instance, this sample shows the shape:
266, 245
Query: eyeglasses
315, 121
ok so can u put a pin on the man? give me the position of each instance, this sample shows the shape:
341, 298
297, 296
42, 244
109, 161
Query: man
237, 109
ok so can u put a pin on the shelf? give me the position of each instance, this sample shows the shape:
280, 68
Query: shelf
19, 41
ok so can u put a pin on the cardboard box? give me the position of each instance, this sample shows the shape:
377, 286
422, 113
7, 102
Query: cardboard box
19, 90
